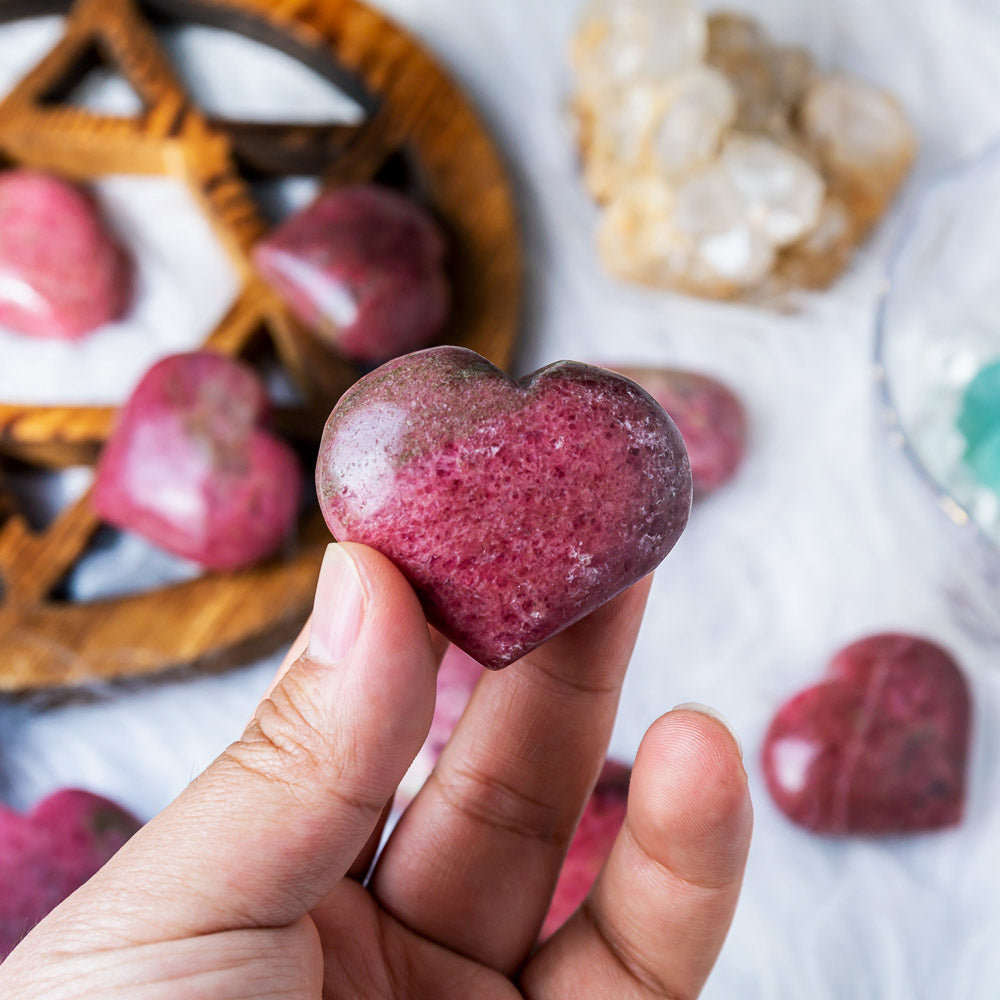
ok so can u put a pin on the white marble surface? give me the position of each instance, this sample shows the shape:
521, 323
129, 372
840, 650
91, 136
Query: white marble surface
805, 551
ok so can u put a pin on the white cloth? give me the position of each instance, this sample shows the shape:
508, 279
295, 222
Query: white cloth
808, 549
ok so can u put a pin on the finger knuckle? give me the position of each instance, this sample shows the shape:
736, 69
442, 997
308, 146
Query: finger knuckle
487, 799
282, 743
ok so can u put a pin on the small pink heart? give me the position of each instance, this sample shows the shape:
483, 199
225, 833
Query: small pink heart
190, 468
514, 507
50, 852
62, 273
880, 747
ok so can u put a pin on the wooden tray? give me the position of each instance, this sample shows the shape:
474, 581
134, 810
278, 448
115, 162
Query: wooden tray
412, 110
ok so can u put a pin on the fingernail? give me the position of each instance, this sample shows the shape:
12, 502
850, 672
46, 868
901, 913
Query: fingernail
338, 609
697, 706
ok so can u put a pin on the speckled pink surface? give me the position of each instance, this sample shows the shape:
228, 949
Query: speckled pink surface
62, 273
514, 508
879, 747
709, 416
189, 466
591, 845
48, 853
363, 266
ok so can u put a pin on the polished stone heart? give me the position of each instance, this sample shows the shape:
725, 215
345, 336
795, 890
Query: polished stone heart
62, 273
880, 747
48, 853
189, 467
514, 508
363, 266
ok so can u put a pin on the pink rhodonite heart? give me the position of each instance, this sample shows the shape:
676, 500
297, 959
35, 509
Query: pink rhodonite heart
363, 266
48, 853
62, 274
880, 747
189, 467
514, 508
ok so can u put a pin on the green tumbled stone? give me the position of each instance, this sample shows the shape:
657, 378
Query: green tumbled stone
979, 422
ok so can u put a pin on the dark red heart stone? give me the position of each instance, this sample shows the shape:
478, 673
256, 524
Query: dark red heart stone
363, 266
880, 747
591, 845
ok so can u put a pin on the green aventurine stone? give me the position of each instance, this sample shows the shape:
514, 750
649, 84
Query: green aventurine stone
979, 422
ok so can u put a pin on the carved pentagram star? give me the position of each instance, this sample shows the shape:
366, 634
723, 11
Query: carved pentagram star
171, 136
409, 104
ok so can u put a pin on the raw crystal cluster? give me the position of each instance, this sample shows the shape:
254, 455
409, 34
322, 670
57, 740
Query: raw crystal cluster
726, 165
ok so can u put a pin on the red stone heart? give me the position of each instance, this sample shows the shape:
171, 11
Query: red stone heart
363, 266
189, 467
62, 274
50, 852
514, 508
880, 747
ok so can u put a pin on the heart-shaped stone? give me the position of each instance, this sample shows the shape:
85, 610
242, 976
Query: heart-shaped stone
62, 273
189, 467
48, 853
514, 508
363, 266
879, 747
709, 416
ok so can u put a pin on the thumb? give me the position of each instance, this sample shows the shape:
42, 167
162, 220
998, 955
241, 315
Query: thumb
277, 820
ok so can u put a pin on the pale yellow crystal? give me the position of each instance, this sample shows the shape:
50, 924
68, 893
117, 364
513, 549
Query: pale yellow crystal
781, 192
725, 164
861, 136
624, 40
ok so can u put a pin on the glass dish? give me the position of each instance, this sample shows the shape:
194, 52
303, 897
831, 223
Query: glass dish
938, 323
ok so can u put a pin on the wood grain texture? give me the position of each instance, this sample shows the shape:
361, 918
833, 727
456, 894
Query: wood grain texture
413, 108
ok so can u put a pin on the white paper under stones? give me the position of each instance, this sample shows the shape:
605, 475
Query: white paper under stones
801, 553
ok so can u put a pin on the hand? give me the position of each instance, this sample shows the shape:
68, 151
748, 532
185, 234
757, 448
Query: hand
252, 883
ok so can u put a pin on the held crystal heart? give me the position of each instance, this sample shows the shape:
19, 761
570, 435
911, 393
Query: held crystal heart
880, 747
514, 508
